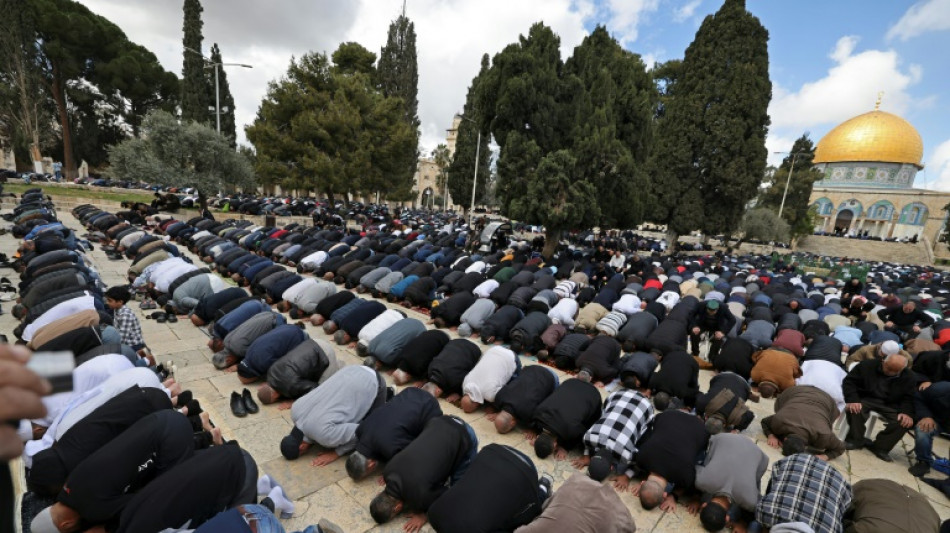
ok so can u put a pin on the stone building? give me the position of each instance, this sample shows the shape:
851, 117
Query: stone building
869, 164
426, 179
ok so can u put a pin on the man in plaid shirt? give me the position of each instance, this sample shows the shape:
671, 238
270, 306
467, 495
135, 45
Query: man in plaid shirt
610, 444
804, 488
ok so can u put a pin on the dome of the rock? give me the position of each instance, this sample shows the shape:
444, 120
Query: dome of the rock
877, 136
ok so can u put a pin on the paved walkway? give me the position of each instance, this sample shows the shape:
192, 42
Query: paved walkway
328, 492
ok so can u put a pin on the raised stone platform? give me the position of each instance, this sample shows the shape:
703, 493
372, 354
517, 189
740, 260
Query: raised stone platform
893, 252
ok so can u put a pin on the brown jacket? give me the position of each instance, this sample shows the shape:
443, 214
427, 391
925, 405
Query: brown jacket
869, 351
582, 504
777, 366
884, 505
56, 328
808, 412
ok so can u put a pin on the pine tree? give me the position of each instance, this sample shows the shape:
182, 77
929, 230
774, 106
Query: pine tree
398, 75
710, 153
227, 101
194, 85
462, 170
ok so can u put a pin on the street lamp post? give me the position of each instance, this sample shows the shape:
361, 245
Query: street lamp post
478, 148
787, 180
217, 86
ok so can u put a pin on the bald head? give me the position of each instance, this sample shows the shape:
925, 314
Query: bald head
651, 494
504, 422
894, 364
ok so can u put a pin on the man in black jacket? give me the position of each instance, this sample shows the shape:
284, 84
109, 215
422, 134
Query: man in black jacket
417, 475
886, 387
563, 417
389, 429
712, 318
906, 320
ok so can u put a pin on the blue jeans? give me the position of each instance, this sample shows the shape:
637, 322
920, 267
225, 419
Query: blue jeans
467, 461
236, 520
924, 443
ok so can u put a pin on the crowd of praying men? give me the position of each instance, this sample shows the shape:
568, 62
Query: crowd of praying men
129, 450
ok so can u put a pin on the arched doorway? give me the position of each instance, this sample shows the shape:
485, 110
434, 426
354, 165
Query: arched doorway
843, 221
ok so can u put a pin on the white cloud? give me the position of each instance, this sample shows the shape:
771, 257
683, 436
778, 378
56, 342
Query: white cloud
686, 10
451, 35
850, 88
625, 17
922, 17
938, 168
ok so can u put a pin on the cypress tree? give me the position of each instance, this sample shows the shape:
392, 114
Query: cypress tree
227, 100
462, 169
194, 85
574, 136
710, 153
797, 211
398, 75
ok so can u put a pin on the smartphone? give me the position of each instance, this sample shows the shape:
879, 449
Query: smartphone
56, 367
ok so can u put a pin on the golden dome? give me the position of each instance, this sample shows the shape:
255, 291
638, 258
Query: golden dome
874, 136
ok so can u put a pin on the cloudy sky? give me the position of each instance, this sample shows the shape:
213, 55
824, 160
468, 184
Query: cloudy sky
828, 60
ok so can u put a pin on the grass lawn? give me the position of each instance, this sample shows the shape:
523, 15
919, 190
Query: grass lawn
82, 191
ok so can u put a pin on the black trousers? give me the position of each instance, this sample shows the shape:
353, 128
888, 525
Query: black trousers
887, 438
714, 344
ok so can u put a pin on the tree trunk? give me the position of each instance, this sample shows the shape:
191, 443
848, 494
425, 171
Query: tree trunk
552, 238
202, 200
671, 238
58, 88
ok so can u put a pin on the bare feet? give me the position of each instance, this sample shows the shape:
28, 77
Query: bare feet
216, 437
206, 421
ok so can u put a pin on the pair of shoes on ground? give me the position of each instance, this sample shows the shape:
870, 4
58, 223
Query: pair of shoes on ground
147, 304
161, 317
242, 403
267, 487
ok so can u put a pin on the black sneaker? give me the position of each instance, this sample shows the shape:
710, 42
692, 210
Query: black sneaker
919, 469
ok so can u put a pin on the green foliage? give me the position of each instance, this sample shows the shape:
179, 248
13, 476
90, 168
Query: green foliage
462, 170
194, 83
398, 76
764, 224
556, 197
710, 154
327, 127
72, 44
352, 58
595, 111
25, 107
62, 60
440, 155
798, 213
181, 154
228, 128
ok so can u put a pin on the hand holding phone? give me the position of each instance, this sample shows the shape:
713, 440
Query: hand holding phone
21, 390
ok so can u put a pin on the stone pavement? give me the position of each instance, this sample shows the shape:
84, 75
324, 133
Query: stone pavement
327, 492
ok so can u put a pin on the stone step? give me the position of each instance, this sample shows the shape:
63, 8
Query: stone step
894, 252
